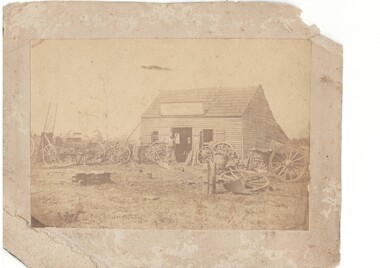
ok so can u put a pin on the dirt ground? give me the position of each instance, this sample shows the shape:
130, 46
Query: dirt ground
170, 199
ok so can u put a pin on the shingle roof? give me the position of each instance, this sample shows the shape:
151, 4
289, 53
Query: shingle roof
218, 102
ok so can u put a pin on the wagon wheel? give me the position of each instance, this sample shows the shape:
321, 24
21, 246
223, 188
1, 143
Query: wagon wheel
256, 182
288, 163
50, 155
120, 154
94, 153
205, 154
225, 149
158, 151
70, 157
252, 181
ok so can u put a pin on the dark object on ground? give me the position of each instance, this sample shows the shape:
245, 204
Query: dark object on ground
92, 178
237, 187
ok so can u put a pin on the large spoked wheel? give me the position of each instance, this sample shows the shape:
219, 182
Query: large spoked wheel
226, 150
95, 153
256, 182
288, 163
120, 154
205, 155
158, 151
50, 155
252, 181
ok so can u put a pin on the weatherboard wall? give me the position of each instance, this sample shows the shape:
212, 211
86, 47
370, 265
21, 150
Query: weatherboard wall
227, 129
259, 126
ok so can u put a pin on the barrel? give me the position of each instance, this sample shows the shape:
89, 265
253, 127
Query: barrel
220, 161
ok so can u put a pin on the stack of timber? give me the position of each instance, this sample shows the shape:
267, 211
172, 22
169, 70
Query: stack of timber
192, 158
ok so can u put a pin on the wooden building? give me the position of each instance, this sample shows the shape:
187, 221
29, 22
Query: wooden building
239, 116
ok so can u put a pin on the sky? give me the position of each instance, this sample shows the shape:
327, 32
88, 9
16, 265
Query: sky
90, 79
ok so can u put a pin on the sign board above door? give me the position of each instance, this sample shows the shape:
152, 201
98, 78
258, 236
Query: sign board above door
181, 108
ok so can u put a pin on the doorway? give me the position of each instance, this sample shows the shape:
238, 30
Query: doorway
183, 142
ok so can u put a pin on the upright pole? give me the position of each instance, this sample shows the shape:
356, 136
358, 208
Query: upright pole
214, 178
43, 137
133, 131
208, 177
47, 115
55, 117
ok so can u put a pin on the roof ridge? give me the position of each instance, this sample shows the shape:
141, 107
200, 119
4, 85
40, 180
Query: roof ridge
218, 101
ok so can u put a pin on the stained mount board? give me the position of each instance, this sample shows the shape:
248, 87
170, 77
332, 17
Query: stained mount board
31, 26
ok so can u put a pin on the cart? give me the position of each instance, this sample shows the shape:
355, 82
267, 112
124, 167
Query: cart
284, 160
72, 151
208, 152
118, 152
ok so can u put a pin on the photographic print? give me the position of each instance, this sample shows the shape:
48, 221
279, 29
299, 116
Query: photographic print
170, 133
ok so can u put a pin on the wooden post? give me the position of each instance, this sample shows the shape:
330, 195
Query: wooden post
208, 177
133, 131
214, 177
46, 119
55, 117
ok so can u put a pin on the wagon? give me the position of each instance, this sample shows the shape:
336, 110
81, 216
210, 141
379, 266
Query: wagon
71, 151
207, 153
282, 159
118, 152
159, 151
238, 179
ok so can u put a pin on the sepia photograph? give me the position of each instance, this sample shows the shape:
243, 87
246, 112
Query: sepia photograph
193, 134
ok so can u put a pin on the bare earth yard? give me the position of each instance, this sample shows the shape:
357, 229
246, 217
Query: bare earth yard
172, 199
